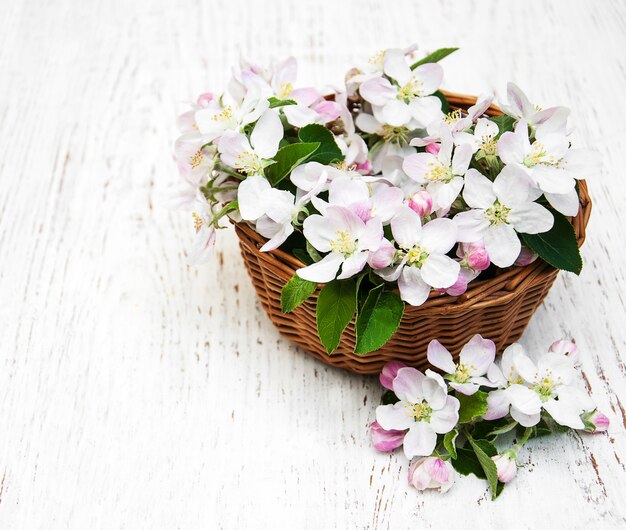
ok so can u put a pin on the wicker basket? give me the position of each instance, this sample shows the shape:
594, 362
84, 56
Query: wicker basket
499, 308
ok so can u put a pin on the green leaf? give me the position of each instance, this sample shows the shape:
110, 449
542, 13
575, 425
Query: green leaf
449, 441
287, 158
275, 102
558, 246
434, 57
313, 253
445, 106
472, 407
336, 305
303, 256
467, 463
484, 451
378, 320
389, 398
504, 122
328, 151
295, 292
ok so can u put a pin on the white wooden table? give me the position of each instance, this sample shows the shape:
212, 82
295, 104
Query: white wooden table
139, 392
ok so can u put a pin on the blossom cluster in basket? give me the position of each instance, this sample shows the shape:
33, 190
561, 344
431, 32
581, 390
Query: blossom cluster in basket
444, 434
381, 187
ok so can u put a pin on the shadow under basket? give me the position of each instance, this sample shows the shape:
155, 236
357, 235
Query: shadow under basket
498, 308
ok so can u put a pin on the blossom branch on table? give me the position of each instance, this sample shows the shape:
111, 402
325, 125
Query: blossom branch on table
450, 425
380, 188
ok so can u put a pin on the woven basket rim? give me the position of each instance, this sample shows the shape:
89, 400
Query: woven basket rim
480, 293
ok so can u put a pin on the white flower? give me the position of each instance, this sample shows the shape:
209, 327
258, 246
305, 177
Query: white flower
553, 119
475, 359
500, 209
506, 466
483, 138
409, 98
550, 163
425, 409
423, 250
513, 397
347, 239
441, 173
215, 120
249, 157
377, 199
555, 380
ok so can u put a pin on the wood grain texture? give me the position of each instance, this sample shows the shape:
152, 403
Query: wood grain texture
139, 392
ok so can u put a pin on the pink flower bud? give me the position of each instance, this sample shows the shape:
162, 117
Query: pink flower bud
566, 347
329, 110
432, 473
458, 287
390, 370
421, 203
596, 421
383, 257
204, 99
506, 466
433, 149
385, 441
526, 257
476, 256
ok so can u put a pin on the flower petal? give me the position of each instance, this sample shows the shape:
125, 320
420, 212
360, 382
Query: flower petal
478, 353
531, 218
353, 265
377, 91
502, 244
498, 405
396, 67
471, 226
407, 384
406, 228
413, 290
478, 191
524, 399
248, 193
394, 417
267, 134
439, 235
440, 357
566, 203
420, 440
446, 418
512, 186
440, 271
323, 271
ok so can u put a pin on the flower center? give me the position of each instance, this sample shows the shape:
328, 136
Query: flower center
545, 386
417, 256
285, 90
438, 172
452, 117
497, 214
343, 243
538, 155
395, 135
196, 159
249, 163
413, 89
488, 144
420, 411
464, 373
197, 222
378, 59
226, 114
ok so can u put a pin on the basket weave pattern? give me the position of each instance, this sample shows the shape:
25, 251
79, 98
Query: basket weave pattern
498, 308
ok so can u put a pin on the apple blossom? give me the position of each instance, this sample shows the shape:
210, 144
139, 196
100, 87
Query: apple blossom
512, 396
408, 98
441, 173
568, 348
250, 157
422, 256
421, 202
347, 239
432, 473
551, 164
475, 358
383, 440
424, 408
526, 257
500, 209
460, 285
